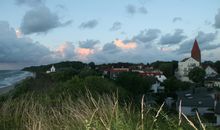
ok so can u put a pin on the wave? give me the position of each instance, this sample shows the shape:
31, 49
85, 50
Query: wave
10, 77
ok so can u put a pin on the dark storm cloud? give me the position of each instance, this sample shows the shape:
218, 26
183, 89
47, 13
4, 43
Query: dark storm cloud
19, 50
175, 38
116, 26
88, 44
29, 2
147, 36
217, 20
89, 24
205, 42
176, 19
40, 20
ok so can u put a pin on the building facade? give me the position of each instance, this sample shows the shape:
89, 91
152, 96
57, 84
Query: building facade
187, 64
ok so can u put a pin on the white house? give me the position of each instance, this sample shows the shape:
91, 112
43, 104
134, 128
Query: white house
184, 67
157, 88
52, 69
161, 78
210, 72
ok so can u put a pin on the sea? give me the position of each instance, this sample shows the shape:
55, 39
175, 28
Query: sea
10, 77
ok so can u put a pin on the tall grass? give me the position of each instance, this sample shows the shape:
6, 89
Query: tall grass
84, 113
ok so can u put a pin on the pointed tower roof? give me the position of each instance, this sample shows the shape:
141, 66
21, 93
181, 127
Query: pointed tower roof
195, 53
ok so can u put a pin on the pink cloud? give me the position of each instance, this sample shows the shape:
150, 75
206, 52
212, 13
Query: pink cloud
84, 51
121, 44
18, 33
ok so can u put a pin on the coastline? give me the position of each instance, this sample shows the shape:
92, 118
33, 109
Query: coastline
5, 90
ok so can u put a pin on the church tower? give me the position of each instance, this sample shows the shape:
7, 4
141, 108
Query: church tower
195, 53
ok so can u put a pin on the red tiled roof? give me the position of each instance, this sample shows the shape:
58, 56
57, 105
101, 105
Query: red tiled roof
151, 73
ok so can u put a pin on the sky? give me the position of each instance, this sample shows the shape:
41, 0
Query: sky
35, 32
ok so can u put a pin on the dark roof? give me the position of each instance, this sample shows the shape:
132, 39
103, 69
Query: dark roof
217, 108
195, 91
185, 59
198, 97
197, 101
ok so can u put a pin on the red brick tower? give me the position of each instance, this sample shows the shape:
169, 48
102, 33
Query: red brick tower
195, 53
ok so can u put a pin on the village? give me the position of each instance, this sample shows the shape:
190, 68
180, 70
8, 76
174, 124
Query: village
204, 98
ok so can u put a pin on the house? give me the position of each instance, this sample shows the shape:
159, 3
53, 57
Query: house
113, 73
198, 99
212, 82
52, 69
157, 88
210, 72
187, 64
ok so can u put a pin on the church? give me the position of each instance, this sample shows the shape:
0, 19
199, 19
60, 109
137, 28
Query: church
187, 64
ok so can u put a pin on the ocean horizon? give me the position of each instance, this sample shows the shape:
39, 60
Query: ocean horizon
11, 77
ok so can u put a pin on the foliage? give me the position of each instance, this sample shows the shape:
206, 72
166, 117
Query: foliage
197, 75
167, 67
172, 85
62, 65
134, 83
217, 66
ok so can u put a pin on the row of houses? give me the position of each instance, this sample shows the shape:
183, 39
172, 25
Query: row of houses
113, 73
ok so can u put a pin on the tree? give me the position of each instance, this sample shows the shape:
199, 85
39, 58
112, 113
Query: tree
92, 65
134, 83
197, 75
167, 69
172, 85
217, 66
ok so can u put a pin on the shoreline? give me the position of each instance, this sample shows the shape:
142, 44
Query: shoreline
7, 89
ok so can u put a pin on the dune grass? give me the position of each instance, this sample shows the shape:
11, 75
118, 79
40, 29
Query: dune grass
84, 113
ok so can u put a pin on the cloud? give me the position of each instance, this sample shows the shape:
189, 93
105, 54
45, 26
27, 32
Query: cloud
112, 53
171, 39
40, 20
110, 48
205, 41
30, 2
19, 50
116, 26
66, 50
84, 51
176, 19
123, 45
88, 43
146, 36
143, 10
217, 20
131, 9
89, 24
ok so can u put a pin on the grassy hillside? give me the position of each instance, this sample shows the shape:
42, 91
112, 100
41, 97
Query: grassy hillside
83, 100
